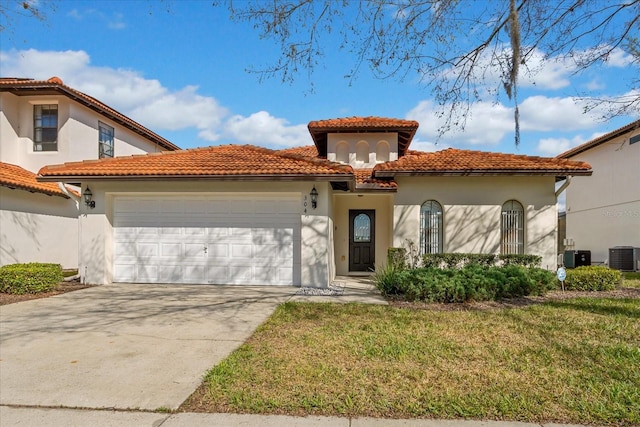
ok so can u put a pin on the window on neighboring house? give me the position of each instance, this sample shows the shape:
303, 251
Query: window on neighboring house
431, 227
45, 127
105, 141
512, 235
634, 139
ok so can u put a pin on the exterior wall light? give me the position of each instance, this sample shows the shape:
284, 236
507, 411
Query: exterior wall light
88, 198
314, 197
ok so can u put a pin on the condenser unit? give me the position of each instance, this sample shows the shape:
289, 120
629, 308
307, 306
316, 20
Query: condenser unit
624, 258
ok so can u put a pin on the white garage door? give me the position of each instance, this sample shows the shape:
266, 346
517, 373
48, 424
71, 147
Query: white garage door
220, 239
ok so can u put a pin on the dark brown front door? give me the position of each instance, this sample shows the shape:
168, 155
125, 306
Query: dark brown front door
362, 242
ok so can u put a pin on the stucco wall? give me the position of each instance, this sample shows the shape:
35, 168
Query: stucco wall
37, 228
383, 206
352, 140
96, 245
603, 210
471, 212
77, 133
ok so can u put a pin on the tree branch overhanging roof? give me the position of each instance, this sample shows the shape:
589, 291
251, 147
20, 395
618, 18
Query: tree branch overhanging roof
55, 86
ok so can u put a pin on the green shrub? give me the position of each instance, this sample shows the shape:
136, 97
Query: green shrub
459, 260
473, 282
592, 278
30, 278
396, 257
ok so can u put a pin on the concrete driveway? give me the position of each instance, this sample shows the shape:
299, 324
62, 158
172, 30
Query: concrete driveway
125, 346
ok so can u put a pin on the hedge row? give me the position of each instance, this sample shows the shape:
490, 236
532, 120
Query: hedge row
398, 257
472, 282
592, 278
30, 278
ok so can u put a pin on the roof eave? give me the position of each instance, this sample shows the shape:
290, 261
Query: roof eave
477, 172
256, 178
48, 89
599, 141
33, 190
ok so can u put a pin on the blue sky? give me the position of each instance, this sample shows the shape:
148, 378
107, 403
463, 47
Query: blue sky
179, 68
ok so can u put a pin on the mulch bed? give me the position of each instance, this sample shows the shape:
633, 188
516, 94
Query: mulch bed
517, 302
62, 288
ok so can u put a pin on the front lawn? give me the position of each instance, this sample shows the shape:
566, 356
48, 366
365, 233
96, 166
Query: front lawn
574, 361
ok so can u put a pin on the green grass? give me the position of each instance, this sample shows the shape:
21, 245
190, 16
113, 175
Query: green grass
566, 361
631, 280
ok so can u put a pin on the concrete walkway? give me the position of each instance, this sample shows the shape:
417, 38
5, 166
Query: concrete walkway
356, 289
125, 346
40, 417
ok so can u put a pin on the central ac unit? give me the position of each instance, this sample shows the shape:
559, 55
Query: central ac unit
624, 258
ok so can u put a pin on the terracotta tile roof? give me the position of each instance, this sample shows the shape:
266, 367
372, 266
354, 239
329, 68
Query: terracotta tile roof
13, 176
362, 123
305, 151
466, 162
365, 181
225, 161
406, 129
55, 86
600, 140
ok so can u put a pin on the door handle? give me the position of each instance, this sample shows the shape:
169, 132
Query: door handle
205, 249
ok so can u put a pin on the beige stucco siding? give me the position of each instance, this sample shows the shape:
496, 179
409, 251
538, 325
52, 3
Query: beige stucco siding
96, 225
35, 227
383, 206
77, 133
603, 210
471, 212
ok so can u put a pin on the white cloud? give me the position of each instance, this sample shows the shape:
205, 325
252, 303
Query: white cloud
263, 129
487, 124
553, 146
144, 100
113, 22
541, 113
426, 146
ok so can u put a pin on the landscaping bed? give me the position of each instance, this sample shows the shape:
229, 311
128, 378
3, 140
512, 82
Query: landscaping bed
61, 288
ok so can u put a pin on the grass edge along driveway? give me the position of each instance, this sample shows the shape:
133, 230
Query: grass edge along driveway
572, 361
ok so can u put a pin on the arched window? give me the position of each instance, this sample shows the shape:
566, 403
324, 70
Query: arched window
431, 227
362, 152
342, 152
512, 228
382, 151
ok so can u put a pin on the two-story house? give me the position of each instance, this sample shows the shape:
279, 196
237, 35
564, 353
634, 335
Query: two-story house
603, 211
44, 123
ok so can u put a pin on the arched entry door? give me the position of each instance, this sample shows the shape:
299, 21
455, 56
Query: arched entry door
362, 242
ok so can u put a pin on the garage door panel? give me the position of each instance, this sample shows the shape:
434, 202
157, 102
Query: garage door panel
170, 273
124, 272
195, 250
147, 273
215, 239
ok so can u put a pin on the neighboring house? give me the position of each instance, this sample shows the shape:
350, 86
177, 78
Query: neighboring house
249, 215
604, 211
47, 122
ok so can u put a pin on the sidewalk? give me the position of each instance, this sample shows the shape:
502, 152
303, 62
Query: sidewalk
41, 417
354, 289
